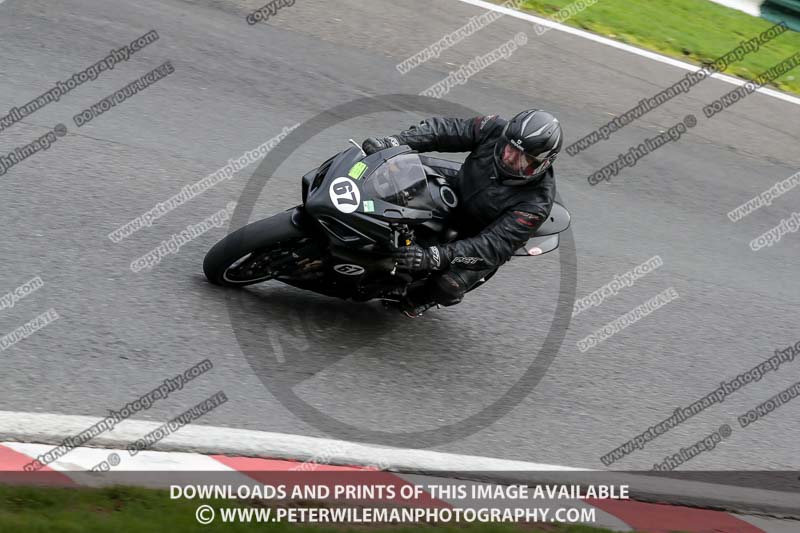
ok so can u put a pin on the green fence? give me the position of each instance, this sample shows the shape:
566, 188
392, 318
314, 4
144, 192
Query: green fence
787, 11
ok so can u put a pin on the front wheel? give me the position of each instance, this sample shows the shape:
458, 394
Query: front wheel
257, 252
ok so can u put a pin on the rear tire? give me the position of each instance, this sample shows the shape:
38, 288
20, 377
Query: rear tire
272, 236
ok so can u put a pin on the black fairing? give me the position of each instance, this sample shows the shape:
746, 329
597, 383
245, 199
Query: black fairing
368, 221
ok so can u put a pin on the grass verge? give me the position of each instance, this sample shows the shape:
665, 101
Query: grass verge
696, 31
140, 510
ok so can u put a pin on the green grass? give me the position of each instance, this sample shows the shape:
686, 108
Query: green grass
697, 31
139, 510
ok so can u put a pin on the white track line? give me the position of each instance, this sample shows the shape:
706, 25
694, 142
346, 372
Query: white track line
53, 428
82, 459
628, 48
751, 7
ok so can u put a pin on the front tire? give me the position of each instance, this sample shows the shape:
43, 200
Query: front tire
255, 252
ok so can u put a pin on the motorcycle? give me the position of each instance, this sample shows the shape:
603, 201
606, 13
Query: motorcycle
356, 209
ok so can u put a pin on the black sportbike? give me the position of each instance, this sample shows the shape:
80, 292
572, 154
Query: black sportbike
356, 209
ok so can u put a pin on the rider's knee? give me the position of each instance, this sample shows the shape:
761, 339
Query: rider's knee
448, 288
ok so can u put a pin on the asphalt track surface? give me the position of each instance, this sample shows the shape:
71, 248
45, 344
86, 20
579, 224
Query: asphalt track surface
235, 86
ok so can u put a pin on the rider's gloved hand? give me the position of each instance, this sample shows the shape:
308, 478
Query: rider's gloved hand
417, 258
376, 144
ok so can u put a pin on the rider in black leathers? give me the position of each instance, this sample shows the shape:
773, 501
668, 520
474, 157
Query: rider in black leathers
505, 188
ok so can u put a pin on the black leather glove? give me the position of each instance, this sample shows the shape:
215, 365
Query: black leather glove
417, 258
376, 144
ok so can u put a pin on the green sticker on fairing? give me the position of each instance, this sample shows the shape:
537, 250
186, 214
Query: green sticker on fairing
369, 207
357, 170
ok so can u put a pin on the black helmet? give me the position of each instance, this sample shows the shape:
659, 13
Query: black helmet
533, 139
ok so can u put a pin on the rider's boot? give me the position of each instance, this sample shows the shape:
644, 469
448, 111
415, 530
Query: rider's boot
413, 304
412, 310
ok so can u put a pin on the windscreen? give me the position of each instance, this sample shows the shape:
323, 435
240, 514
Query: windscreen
401, 181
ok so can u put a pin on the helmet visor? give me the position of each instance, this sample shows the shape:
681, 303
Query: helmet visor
517, 164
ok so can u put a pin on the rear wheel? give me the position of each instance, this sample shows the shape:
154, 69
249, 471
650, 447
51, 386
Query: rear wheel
260, 251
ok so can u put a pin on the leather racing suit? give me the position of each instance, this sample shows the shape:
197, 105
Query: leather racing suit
492, 220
